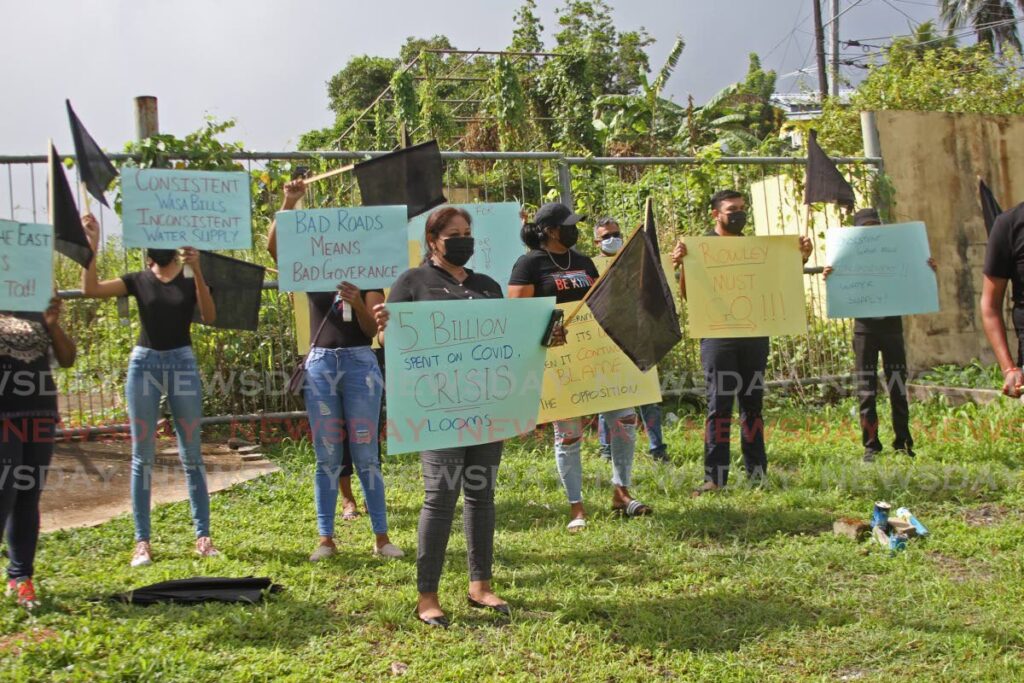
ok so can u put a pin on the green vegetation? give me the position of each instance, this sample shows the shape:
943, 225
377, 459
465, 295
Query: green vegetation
747, 585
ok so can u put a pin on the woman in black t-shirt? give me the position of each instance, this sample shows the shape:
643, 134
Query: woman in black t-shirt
473, 469
162, 364
343, 390
28, 418
554, 268
1004, 263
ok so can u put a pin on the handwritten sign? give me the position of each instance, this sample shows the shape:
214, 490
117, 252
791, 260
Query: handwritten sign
880, 270
319, 248
590, 374
26, 266
462, 373
167, 209
745, 286
496, 235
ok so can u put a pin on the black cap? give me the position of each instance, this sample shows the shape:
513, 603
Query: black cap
555, 214
868, 216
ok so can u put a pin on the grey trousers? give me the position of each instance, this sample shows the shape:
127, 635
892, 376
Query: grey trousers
472, 469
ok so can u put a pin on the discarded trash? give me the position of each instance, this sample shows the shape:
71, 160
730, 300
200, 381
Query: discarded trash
880, 515
907, 516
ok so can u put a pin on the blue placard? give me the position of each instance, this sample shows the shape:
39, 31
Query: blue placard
879, 271
495, 228
26, 266
168, 209
462, 373
318, 248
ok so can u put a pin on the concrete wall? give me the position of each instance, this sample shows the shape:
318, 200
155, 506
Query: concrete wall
933, 160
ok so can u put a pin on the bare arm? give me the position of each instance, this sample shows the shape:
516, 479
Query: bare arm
520, 291
294, 191
63, 347
678, 254
381, 317
207, 309
91, 286
992, 293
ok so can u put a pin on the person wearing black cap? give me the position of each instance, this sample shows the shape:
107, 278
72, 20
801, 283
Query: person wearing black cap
1004, 262
726, 360
553, 268
873, 336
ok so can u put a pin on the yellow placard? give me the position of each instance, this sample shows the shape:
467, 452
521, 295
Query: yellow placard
744, 286
590, 374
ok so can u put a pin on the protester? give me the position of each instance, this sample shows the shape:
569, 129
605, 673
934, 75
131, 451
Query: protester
608, 239
342, 392
734, 368
1004, 262
442, 277
872, 336
553, 268
162, 364
28, 420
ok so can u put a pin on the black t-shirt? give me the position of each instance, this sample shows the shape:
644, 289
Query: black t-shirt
27, 388
430, 283
1004, 258
337, 333
567, 277
165, 309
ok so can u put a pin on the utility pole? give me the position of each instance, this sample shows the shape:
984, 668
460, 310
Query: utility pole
834, 43
819, 45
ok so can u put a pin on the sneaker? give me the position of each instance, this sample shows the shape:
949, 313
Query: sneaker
143, 555
322, 552
706, 487
660, 456
389, 550
869, 456
26, 592
909, 452
204, 547
12, 588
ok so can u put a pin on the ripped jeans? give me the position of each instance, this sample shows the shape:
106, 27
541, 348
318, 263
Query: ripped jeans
343, 391
622, 439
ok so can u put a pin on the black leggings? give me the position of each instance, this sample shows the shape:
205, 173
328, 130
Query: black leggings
26, 447
474, 470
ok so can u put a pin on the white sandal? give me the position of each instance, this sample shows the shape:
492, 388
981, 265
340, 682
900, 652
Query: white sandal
577, 525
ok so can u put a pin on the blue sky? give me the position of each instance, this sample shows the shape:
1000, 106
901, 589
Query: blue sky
265, 62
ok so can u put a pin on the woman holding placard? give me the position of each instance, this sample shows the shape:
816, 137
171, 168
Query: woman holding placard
162, 364
474, 469
553, 268
342, 391
28, 419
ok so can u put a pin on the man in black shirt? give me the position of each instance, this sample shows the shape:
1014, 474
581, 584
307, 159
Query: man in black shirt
727, 360
1004, 262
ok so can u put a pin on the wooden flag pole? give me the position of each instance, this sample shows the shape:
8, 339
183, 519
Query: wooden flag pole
583, 301
329, 174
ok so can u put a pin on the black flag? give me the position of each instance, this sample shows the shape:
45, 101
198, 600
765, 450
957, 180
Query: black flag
69, 237
824, 182
94, 168
990, 208
413, 176
633, 302
200, 589
236, 288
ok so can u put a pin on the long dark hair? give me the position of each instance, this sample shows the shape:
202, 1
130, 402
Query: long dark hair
532, 234
438, 221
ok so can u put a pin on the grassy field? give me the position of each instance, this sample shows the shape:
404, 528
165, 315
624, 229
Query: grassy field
746, 585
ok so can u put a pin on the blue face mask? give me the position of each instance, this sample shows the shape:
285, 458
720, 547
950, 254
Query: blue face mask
611, 245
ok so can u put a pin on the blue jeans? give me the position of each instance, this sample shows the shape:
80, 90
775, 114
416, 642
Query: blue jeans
567, 455
343, 393
651, 416
172, 373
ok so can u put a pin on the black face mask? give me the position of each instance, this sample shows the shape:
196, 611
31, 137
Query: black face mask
162, 257
735, 222
568, 235
458, 250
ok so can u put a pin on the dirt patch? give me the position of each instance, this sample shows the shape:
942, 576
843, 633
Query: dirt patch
959, 570
14, 643
986, 515
88, 482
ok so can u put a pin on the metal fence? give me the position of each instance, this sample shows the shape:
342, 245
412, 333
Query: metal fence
245, 373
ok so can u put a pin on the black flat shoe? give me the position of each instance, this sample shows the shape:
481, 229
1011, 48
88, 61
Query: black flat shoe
440, 622
500, 609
